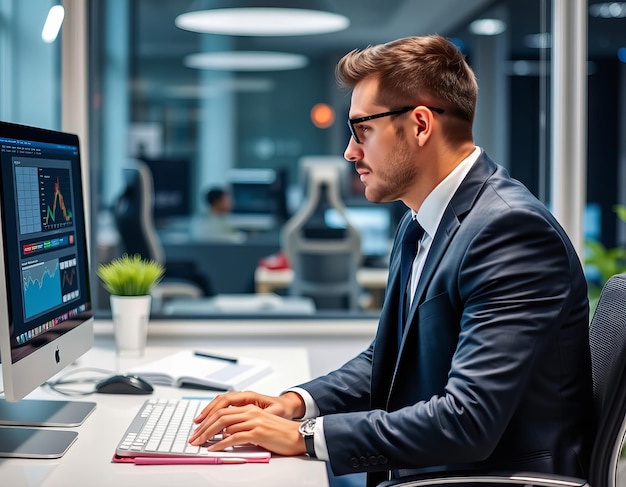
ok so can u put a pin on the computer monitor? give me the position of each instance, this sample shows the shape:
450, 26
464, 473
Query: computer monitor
259, 198
46, 318
373, 222
171, 179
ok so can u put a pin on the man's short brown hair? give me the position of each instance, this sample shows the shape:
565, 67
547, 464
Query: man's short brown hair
426, 70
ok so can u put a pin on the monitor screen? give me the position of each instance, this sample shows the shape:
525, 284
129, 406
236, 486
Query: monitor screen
373, 223
259, 198
171, 179
45, 305
253, 191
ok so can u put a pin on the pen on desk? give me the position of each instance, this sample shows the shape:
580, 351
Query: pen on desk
232, 360
189, 460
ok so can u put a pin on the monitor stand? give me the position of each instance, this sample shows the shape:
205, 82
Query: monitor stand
19, 436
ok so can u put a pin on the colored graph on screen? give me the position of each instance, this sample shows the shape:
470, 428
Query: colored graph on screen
69, 279
56, 200
42, 287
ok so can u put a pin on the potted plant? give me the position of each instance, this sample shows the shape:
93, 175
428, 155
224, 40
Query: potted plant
130, 279
605, 262
130, 275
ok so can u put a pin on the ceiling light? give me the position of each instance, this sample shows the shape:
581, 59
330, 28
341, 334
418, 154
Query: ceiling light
543, 40
53, 23
246, 61
262, 21
487, 27
218, 87
608, 10
322, 115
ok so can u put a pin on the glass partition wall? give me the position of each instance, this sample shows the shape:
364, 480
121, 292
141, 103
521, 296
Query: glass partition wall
148, 98
195, 124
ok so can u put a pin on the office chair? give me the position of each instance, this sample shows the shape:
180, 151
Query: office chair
135, 223
324, 260
607, 341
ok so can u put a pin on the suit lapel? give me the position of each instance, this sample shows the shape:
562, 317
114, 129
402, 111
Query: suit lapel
386, 342
460, 204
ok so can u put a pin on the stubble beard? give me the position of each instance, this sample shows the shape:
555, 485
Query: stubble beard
394, 176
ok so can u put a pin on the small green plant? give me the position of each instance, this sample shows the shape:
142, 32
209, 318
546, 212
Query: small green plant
130, 275
607, 262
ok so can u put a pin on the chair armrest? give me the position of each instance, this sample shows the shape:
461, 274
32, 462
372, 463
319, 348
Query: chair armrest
495, 478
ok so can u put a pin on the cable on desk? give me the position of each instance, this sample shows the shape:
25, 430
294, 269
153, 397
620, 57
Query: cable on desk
66, 380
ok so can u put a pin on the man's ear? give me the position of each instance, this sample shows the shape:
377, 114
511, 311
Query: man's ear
423, 124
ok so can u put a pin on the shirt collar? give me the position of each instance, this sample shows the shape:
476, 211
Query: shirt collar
432, 209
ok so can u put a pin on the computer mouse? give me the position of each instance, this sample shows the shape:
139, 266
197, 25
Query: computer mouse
124, 384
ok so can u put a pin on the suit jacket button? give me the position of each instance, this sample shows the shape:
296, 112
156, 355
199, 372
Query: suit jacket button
382, 460
354, 462
364, 461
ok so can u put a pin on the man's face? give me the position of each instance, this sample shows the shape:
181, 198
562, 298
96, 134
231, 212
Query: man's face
384, 160
224, 204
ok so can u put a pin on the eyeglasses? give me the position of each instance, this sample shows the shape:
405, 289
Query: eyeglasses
354, 121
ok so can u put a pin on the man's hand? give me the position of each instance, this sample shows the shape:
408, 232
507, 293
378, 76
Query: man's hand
249, 424
249, 417
288, 406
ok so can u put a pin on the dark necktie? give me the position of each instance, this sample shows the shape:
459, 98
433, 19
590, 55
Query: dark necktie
410, 242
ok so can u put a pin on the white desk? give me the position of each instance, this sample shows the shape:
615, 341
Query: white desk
269, 280
88, 461
239, 304
373, 279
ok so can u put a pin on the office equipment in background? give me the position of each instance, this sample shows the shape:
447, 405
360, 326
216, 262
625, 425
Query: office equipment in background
324, 259
258, 305
46, 317
135, 223
341, 169
373, 223
259, 198
203, 371
171, 178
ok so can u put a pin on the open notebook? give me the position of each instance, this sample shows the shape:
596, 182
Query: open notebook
203, 370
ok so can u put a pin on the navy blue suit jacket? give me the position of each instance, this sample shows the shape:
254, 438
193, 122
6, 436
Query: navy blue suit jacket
493, 370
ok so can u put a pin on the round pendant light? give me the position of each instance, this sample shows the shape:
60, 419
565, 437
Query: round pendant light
246, 61
262, 21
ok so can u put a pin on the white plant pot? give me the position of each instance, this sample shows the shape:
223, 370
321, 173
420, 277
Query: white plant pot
130, 322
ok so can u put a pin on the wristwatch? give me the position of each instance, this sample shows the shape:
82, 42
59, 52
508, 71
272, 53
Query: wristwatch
306, 429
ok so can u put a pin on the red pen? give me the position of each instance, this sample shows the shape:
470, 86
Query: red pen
188, 460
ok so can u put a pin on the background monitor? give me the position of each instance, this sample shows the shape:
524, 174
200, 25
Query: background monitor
373, 223
259, 197
171, 178
46, 318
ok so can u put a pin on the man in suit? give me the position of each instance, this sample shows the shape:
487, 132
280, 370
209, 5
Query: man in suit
481, 357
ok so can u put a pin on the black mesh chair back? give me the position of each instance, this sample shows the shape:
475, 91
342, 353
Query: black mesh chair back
134, 219
133, 216
607, 337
